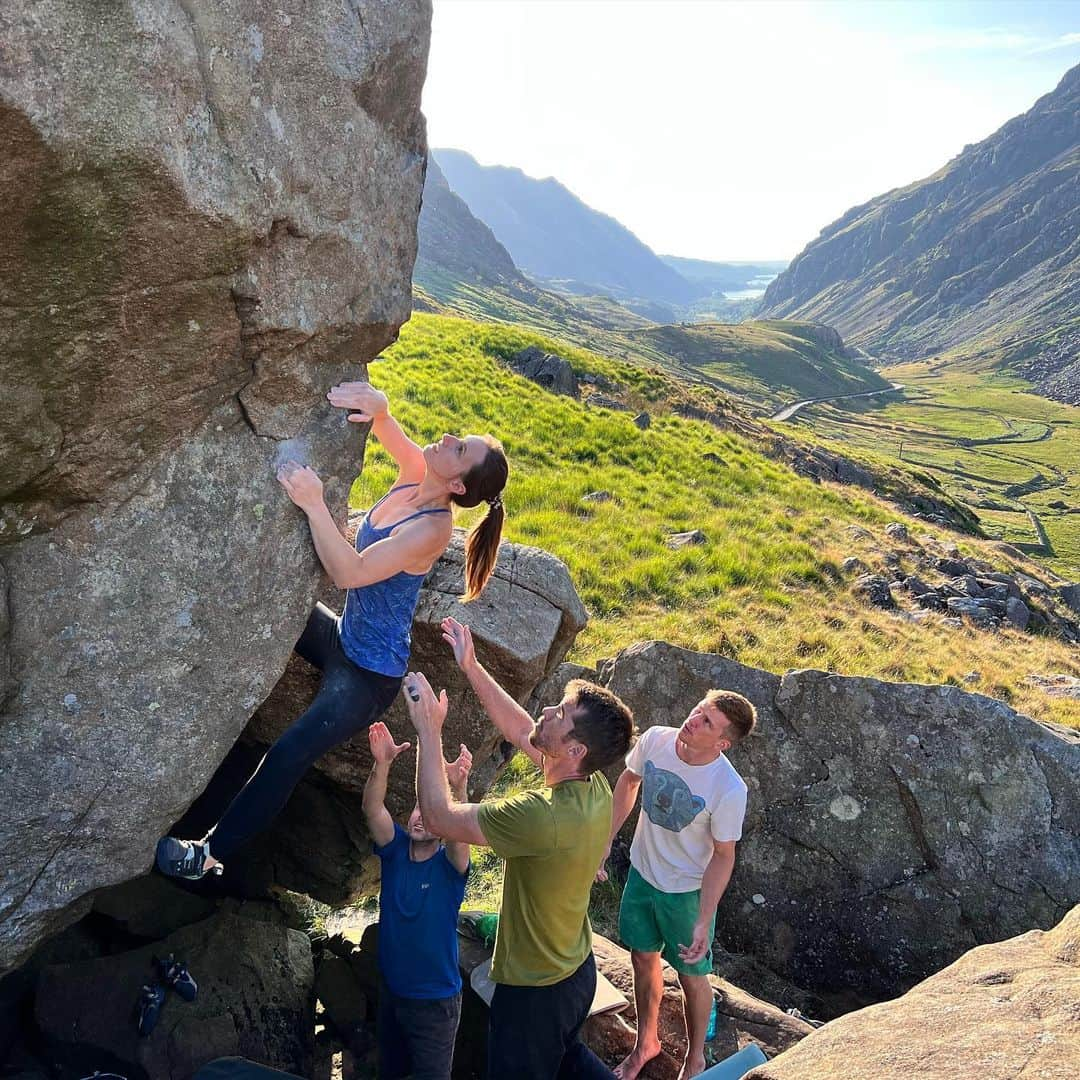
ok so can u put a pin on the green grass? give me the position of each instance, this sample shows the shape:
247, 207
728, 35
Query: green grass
942, 425
766, 363
765, 587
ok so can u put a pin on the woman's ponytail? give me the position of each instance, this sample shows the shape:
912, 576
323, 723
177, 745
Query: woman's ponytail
482, 549
484, 483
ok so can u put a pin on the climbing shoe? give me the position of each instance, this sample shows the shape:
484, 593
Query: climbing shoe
173, 973
148, 1007
184, 858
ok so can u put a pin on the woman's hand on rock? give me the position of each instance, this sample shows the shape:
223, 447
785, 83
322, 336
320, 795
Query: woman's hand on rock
366, 402
301, 484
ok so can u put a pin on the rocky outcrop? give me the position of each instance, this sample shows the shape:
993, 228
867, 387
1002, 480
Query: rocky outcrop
983, 249
545, 369
1001, 1011
254, 1000
211, 217
523, 624
890, 827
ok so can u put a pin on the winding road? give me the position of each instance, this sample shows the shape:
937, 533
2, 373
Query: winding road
788, 411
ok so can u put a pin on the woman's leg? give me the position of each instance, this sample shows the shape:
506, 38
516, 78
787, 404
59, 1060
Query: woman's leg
349, 700
319, 641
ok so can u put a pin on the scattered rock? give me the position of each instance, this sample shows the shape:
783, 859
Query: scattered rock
1017, 612
973, 610
874, 589
599, 401
972, 676
953, 567
685, 539
598, 497
716, 459
1000, 1011
545, 369
1058, 504
1070, 597
897, 530
642, 420
852, 565
916, 586
857, 532
1057, 685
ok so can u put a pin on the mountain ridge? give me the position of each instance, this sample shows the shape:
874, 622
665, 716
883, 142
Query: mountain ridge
982, 255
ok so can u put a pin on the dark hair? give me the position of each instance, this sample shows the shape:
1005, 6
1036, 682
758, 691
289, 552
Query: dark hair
483, 483
603, 723
741, 715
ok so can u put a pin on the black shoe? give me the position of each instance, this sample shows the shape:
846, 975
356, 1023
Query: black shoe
184, 858
175, 974
149, 1006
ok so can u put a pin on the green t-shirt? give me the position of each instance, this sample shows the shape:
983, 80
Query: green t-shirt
552, 841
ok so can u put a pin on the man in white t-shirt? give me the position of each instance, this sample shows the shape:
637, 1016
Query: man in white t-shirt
692, 807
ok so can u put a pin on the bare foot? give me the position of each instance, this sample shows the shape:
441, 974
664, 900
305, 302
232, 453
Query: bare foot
691, 1067
638, 1058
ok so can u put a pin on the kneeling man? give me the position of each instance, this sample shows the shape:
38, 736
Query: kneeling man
692, 807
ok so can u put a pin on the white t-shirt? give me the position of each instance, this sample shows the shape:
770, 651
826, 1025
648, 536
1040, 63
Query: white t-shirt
684, 808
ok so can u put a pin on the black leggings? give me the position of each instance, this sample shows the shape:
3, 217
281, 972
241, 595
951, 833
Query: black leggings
350, 699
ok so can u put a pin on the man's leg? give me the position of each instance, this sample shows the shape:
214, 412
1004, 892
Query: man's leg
639, 931
430, 1029
390, 1037
699, 998
676, 914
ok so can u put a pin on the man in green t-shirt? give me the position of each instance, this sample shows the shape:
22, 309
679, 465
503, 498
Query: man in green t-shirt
552, 841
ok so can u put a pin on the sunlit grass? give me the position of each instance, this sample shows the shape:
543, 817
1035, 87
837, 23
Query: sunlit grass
764, 588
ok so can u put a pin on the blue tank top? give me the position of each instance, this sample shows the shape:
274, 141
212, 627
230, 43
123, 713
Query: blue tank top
376, 626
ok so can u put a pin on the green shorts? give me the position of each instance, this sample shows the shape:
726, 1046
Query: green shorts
655, 921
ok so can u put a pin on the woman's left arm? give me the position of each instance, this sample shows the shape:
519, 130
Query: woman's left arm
418, 541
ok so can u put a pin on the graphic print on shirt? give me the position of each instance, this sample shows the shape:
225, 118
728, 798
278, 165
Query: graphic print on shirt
667, 801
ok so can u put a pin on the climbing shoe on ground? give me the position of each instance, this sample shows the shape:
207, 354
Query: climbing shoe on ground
184, 858
148, 1008
174, 974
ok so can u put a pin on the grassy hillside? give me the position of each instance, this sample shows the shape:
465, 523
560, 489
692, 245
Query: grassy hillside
990, 442
768, 363
765, 588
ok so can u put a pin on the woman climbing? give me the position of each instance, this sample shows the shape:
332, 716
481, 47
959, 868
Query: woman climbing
364, 654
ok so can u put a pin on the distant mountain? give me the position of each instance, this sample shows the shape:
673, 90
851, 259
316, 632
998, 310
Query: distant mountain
725, 276
552, 235
985, 254
453, 241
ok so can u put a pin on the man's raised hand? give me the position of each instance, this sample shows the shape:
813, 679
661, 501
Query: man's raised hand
459, 638
457, 771
362, 397
426, 711
383, 748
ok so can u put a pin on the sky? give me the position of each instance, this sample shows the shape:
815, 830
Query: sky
725, 130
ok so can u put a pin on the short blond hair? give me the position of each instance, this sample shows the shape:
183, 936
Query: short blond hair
739, 712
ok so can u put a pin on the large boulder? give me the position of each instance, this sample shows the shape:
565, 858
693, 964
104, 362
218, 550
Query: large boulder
211, 218
255, 1000
1001, 1011
890, 827
523, 624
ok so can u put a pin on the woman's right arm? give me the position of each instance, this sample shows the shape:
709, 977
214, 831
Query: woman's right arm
368, 404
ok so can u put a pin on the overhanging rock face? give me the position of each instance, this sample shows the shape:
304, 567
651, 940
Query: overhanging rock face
522, 624
890, 827
211, 219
